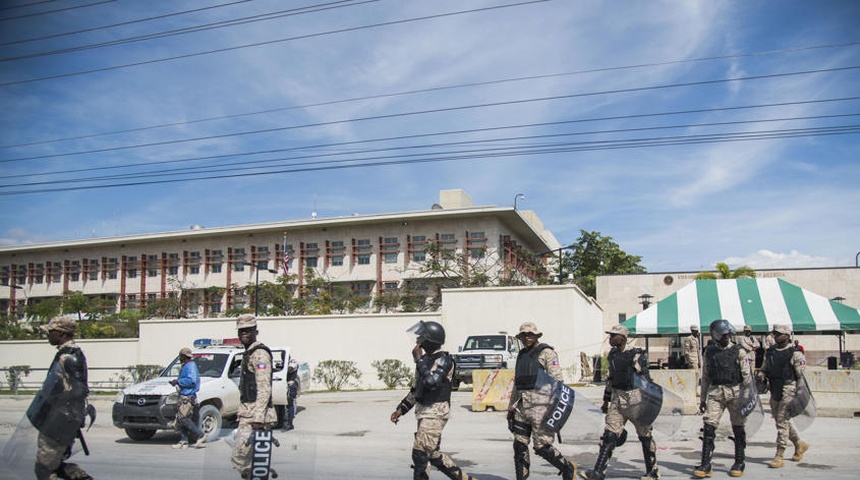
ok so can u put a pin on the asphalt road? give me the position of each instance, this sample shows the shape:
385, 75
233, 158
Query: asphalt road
348, 436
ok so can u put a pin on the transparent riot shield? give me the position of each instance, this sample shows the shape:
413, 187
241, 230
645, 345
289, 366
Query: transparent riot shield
659, 407
19, 454
750, 405
802, 408
569, 415
287, 455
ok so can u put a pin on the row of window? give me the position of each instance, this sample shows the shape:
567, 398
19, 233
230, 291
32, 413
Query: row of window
212, 261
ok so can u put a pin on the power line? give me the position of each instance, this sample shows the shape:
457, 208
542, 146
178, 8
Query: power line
495, 153
427, 90
47, 12
269, 42
437, 110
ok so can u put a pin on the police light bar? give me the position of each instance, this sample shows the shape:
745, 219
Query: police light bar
211, 342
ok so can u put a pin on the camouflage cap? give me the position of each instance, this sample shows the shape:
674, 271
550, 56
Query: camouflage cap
781, 328
747, 328
529, 327
694, 328
185, 351
61, 324
619, 330
246, 320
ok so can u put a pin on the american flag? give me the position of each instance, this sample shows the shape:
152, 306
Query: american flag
286, 258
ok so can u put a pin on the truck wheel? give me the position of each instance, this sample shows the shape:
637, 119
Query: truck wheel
139, 434
210, 422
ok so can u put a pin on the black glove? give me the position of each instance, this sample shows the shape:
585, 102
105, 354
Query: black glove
605, 407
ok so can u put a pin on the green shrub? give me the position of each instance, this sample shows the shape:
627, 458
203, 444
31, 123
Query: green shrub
393, 372
141, 373
334, 374
14, 374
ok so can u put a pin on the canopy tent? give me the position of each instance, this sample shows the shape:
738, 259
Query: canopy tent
758, 302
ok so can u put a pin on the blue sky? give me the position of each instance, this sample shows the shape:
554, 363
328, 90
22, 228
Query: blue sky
573, 104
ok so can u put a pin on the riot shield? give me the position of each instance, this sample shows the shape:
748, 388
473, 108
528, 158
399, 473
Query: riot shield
802, 408
568, 414
661, 408
750, 405
19, 454
290, 455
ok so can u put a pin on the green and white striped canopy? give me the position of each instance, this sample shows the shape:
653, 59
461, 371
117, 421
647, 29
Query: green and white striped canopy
759, 303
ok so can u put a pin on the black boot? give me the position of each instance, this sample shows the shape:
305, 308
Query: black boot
649, 453
453, 472
740, 434
521, 460
566, 468
419, 465
708, 436
607, 443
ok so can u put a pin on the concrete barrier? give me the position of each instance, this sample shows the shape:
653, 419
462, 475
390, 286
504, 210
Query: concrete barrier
491, 389
836, 392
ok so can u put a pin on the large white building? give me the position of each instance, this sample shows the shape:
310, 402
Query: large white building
369, 254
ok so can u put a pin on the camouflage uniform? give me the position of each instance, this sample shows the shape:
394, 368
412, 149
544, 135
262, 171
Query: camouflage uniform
68, 404
750, 344
785, 431
693, 353
260, 410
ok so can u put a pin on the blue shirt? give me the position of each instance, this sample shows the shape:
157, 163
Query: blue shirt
189, 379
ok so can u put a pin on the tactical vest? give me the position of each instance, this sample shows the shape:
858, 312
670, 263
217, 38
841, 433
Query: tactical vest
526, 371
723, 368
781, 371
442, 393
248, 379
621, 368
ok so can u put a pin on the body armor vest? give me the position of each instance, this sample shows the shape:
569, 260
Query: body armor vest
442, 392
248, 379
621, 367
527, 367
723, 368
781, 370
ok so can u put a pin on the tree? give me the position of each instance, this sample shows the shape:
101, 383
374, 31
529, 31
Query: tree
594, 254
724, 272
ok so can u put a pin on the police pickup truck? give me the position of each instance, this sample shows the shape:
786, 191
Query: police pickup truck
146, 407
484, 352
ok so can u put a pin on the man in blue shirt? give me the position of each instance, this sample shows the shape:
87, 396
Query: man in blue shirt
188, 384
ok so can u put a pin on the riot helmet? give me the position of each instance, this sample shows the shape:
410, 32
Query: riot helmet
430, 335
721, 328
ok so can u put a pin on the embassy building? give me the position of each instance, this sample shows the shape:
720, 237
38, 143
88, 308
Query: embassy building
210, 268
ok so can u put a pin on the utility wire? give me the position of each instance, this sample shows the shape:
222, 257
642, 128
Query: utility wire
269, 42
437, 110
25, 5
47, 12
565, 148
507, 139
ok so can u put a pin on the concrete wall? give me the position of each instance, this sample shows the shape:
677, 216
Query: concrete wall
571, 322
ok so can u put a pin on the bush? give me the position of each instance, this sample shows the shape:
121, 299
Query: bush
141, 373
393, 372
334, 374
14, 375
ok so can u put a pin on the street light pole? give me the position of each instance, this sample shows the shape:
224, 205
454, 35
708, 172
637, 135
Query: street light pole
518, 196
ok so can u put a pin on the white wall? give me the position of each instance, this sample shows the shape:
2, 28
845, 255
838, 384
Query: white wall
571, 323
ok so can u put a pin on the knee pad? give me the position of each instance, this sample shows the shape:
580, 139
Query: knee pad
546, 451
420, 458
613, 438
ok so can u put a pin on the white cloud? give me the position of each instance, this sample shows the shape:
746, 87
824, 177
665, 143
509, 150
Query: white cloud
765, 259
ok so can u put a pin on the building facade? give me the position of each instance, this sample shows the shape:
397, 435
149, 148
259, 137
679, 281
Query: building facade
211, 268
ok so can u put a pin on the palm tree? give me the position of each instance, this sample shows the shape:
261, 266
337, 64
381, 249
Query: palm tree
723, 271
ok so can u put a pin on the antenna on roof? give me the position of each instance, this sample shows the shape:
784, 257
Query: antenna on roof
314, 212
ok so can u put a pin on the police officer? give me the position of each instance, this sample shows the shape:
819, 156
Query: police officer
59, 409
725, 368
693, 351
431, 397
255, 392
783, 365
528, 407
749, 342
621, 401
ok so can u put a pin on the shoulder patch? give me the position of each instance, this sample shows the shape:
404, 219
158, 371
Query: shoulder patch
262, 366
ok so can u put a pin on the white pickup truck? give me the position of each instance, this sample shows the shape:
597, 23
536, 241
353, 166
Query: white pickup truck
146, 407
484, 352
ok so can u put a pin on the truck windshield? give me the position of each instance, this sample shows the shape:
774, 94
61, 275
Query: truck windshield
209, 365
485, 342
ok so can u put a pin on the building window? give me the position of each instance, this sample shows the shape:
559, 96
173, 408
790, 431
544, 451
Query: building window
75, 270
92, 267
260, 257
173, 264
131, 301
152, 265
130, 267
622, 317
109, 268
237, 259
5, 276
362, 289
416, 246
361, 250
214, 261
193, 263
310, 252
447, 242
55, 272
336, 251
389, 248
476, 244
37, 272
389, 286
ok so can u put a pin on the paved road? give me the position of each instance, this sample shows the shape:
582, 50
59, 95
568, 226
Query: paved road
348, 436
